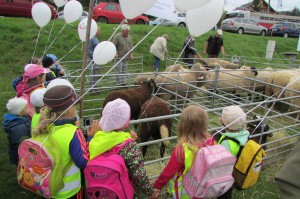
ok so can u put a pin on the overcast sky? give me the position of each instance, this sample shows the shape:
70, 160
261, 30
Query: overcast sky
286, 4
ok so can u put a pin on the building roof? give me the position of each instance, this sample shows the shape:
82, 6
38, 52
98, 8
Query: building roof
248, 5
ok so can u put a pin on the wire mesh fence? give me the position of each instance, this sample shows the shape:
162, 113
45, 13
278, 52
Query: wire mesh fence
220, 88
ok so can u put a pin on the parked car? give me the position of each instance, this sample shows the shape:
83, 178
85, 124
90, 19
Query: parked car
83, 15
106, 12
20, 8
181, 21
285, 29
242, 26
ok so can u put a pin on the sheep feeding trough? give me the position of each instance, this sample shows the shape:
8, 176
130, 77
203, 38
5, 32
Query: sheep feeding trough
275, 112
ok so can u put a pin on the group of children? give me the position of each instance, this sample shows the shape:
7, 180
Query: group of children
55, 114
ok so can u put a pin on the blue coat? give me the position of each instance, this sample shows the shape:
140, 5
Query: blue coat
17, 129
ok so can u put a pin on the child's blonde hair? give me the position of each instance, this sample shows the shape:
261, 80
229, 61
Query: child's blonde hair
48, 117
192, 127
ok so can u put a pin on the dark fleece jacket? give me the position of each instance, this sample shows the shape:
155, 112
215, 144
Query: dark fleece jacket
17, 129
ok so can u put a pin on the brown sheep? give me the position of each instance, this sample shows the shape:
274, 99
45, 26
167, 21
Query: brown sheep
156, 129
135, 97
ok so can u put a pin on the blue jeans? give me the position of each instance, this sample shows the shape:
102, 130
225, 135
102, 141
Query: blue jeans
156, 63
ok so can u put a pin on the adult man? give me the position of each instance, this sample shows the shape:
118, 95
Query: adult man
189, 52
214, 45
94, 68
123, 43
158, 49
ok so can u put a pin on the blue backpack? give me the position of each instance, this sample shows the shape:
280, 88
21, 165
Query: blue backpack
16, 81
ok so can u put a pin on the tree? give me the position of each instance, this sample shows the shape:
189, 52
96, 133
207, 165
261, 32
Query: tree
295, 11
256, 5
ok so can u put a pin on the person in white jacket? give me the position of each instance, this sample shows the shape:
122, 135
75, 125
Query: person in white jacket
158, 49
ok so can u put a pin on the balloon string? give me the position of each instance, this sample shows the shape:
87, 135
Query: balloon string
100, 50
92, 87
69, 51
55, 38
36, 42
50, 31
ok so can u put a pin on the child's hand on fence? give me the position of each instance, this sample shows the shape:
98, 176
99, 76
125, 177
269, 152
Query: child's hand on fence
133, 135
94, 128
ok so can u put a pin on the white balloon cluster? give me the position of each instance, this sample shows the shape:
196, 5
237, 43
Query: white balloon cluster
202, 15
41, 14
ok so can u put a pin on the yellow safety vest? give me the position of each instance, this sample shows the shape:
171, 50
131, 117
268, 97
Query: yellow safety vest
72, 180
35, 121
234, 147
188, 162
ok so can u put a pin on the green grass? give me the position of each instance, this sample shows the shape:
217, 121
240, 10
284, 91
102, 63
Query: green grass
18, 37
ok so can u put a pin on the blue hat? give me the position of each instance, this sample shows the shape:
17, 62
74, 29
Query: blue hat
53, 57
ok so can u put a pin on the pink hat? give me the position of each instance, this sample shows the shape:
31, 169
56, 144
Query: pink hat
115, 115
34, 71
233, 117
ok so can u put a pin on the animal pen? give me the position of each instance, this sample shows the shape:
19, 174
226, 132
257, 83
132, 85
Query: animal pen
279, 113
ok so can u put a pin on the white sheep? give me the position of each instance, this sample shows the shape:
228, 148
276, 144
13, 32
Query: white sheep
176, 68
294, 84
280, 78
213, 62
233, 80
144, 77
177, 82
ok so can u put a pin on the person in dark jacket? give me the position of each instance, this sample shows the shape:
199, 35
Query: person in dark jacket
214, 45
189, 51
17, 126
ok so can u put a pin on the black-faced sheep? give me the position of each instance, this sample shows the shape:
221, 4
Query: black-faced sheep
156, 129
180, 82
233, 81
135, 97
256, 128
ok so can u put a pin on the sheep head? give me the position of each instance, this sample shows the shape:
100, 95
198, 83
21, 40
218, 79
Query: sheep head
254, 70
250, 71
150, 83
263, 127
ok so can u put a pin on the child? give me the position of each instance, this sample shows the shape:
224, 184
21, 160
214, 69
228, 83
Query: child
234, 119
192, 135
33, 78
57, 119
17, 126
36, 99
49, 61
115, 119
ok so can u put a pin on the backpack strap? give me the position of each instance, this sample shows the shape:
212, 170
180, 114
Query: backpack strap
236, 141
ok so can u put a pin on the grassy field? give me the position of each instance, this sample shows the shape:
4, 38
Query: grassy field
18, 38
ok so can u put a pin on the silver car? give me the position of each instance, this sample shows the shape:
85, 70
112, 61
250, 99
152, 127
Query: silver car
181, 21
242, 26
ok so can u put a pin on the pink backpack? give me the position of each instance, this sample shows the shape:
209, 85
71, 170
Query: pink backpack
107, 177
211, 173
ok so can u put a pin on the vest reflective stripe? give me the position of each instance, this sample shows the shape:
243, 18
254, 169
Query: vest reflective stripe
70, 185
72, 182
188, 162
35, 120
234, 147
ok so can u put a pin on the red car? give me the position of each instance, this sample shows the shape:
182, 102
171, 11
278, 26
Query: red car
106, 12
20, 8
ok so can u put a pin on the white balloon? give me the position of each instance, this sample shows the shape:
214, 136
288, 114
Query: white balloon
82, 26
72, 11
133, 8
41, 14
104, 52
59, 82
189, 4
201, 20
60, 3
